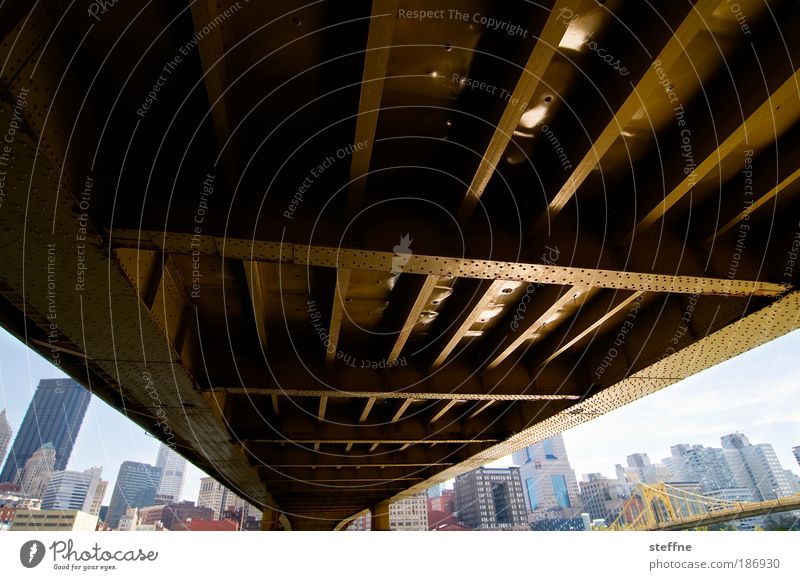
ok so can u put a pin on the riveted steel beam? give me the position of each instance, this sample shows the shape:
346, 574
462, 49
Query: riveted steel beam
544, 51
776, 114
376, 59
695, 23
420, 299
337, 313
255, 287
471, 268
590, 322
545, 314
730, 339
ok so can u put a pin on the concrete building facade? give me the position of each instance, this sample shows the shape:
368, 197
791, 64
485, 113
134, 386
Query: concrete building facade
755, 467
75, 490
548, 480
491, 499
603, 497
136, 486
28, 520
38, 469
173, 474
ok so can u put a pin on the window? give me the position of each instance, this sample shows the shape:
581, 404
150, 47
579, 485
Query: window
549, 453
560, 490
533, 499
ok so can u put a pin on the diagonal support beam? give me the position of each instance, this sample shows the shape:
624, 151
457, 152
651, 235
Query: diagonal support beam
418, 305
589, 322
745, 214
255, 287
215, 74
450, 404
323, 405
542, 55
480, 409
376, 60
779, 110
485, 294
541, 320
403, 408
337, 312
695, 23
367, 409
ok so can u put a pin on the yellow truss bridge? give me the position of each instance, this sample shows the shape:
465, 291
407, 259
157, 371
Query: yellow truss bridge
666, 507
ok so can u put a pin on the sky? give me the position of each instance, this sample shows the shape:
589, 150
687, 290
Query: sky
757, 393
106, 438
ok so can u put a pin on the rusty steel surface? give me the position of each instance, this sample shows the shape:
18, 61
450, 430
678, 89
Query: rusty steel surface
337, 253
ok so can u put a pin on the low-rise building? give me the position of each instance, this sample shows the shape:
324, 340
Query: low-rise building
28, 520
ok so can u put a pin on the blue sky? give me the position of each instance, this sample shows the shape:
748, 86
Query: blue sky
756, 393
107, 437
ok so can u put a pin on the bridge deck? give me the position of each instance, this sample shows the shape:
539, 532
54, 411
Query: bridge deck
340, 252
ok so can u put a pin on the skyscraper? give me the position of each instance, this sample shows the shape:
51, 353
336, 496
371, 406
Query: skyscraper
490, 499
54, 416
755, 467
97, 498
36, 473
213, 495
74, 490
603, 497
5, 435
173, 471
136, 487
549, 483
706, 465
219, 498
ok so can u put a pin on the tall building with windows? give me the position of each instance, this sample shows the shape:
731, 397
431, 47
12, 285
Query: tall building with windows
5, 435
706, 465
173, 473
755, 467
36, 473
491, 499
75, 490
135, 487
603, 497
98, 497
796, 452
219, 498
409, 514
548, 481
54, 416
212, 495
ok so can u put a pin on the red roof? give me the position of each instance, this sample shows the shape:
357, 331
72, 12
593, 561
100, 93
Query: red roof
212, 526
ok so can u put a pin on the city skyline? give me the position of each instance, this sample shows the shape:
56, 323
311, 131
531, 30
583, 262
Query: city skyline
589, 451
